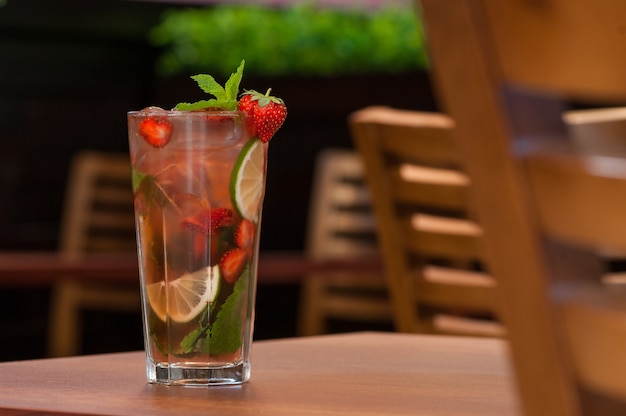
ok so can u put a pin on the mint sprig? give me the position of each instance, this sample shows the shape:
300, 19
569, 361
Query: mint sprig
223, 335
225, 96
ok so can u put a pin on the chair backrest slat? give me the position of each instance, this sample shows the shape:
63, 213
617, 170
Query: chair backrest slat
98, 213
424, 215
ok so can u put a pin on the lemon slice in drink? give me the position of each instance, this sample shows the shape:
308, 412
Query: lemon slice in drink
247, 180
186, 296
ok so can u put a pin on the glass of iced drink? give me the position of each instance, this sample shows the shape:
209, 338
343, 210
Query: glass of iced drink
198, 181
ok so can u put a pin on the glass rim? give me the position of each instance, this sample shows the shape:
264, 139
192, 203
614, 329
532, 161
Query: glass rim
181, 113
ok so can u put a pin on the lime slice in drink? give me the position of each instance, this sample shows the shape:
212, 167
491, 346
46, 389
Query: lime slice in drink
187, 296
247, 180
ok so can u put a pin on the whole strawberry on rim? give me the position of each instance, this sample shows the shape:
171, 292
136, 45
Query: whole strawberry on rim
266, 113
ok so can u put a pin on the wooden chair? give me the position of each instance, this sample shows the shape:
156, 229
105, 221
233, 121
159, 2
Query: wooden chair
431, 246
340, 225
506, 71
98, 216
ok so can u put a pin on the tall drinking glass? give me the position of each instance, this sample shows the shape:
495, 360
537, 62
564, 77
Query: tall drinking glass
198, 181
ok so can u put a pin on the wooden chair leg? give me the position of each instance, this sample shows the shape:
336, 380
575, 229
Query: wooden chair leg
64, 327
312, 319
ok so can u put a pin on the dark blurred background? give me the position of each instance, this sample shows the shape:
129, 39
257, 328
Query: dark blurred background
71, 69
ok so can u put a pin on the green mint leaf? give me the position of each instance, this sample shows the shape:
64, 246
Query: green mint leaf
136, 178
225, 334
232, 85
230, 105
225, 98
209, 85
190, 341
198, 105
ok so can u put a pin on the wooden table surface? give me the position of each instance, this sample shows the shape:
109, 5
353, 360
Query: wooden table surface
349, 374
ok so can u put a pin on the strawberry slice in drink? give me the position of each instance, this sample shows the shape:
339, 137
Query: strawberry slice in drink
244, 234
208, 221
156, 131
233, 263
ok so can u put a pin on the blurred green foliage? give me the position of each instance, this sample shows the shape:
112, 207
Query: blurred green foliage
299, 40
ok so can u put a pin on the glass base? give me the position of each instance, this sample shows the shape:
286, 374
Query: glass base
198, 375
